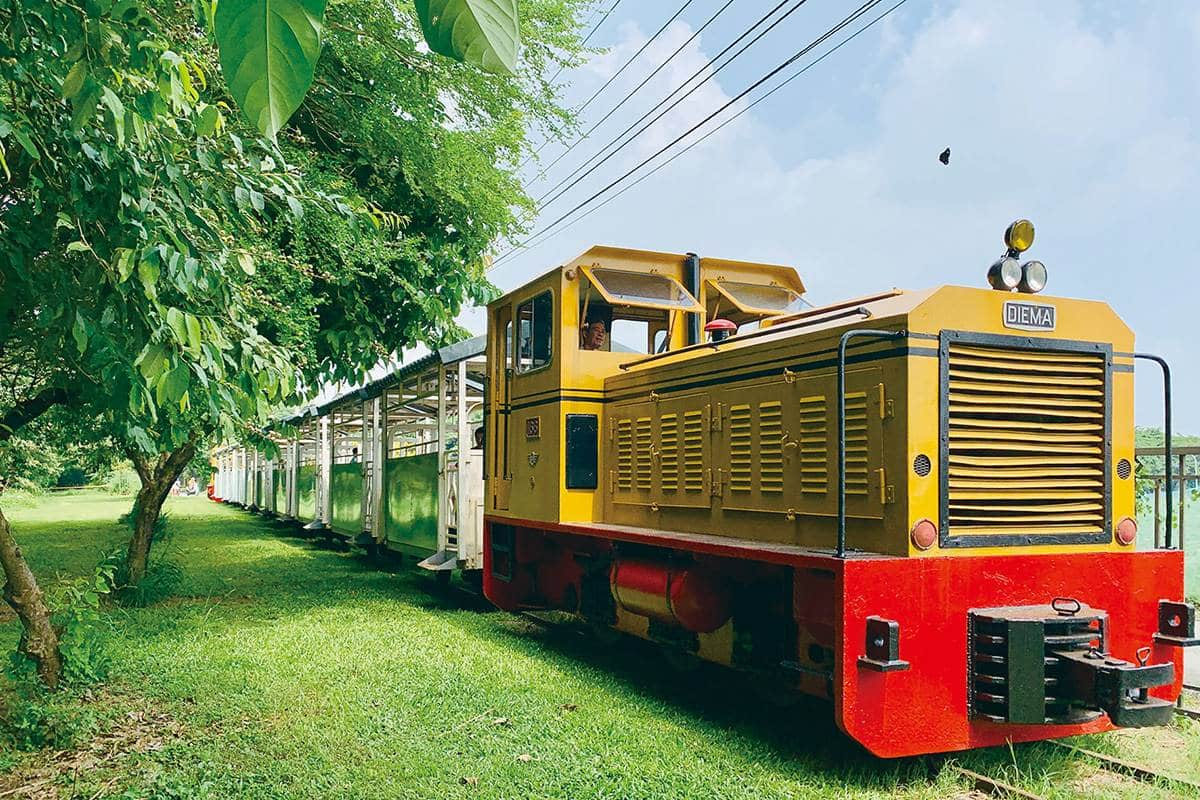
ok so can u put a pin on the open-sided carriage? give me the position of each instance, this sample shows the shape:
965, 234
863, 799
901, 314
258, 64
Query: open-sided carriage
395, 466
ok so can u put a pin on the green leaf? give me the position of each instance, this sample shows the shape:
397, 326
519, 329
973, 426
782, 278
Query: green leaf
176, 319
247, 262
79, 331
117, 109
152, 362
124, 263
481, 32
74, 80
193, 332
208, 120
148, 273
174, 384
26, 143
269, 51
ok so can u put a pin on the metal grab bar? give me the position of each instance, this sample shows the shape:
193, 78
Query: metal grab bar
1166, 370
860, 333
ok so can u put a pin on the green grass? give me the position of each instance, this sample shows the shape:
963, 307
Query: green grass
282, 669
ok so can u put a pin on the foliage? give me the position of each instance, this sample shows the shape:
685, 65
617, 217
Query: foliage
483, 32
269, 50
83, 627
122, 481
59, 448
35, 718
124, 197
1154, 465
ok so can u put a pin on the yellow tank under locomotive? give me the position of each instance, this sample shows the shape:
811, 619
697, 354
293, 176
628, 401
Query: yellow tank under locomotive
918, 504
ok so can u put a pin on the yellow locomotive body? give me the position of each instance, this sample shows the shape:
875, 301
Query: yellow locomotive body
687, 488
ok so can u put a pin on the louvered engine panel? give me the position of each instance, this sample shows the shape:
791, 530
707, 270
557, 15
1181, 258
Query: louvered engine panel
1026, 442
669, 452
857, 444
814, 445
770, 447
741, 448
643, 453
693, 451
624, 454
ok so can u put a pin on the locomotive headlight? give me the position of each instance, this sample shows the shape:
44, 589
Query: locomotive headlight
1005, 274
1033, 277
1019, 236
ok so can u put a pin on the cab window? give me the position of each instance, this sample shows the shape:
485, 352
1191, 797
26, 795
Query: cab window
535, 332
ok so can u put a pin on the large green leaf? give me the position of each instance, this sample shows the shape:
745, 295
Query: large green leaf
269, 49
483, 32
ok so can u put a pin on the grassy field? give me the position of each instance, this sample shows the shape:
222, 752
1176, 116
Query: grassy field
282, 669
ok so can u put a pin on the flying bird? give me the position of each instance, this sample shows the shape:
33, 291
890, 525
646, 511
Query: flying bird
945, 156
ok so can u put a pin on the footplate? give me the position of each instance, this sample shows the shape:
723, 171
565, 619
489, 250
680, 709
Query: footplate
1049, 664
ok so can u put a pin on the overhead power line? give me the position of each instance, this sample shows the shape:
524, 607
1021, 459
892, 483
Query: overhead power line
591, 33
559, 71
620, 103
551, 234
633, 57
557, 191
548, 231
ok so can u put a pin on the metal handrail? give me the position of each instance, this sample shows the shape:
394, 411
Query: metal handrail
1166, 371
859, 333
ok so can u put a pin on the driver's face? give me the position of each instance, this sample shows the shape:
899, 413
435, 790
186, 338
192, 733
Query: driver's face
593, 336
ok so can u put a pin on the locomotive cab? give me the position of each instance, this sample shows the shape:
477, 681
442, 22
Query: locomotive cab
555, 341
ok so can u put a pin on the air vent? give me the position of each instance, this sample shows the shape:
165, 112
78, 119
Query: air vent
1025, 453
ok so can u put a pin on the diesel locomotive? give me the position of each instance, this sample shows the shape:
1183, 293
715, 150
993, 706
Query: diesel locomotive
918, 505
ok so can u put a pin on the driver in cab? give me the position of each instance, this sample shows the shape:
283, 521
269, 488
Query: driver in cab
594, 333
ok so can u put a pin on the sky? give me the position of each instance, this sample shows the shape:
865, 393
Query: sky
1081, 116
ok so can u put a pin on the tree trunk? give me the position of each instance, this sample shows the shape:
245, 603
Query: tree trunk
157, 477
39, 640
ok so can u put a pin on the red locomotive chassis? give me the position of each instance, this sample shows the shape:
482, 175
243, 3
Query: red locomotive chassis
919, 705
924, 709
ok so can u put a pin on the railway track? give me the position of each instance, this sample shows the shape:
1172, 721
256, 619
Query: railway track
995, 787
1188, 712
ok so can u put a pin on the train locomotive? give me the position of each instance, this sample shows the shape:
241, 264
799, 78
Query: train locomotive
918, 505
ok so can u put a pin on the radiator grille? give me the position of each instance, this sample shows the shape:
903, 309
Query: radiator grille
1026, 443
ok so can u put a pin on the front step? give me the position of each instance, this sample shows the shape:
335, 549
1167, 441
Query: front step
441, 560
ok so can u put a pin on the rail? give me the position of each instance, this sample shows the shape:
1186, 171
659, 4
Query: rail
1175, 471
1166, 375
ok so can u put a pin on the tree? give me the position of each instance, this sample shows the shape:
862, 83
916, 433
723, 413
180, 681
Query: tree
154, 268
122, 196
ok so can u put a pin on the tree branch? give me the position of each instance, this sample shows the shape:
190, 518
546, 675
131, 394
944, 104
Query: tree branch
29, 410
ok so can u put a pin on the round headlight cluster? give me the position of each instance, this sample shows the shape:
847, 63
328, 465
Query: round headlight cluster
1008, 273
